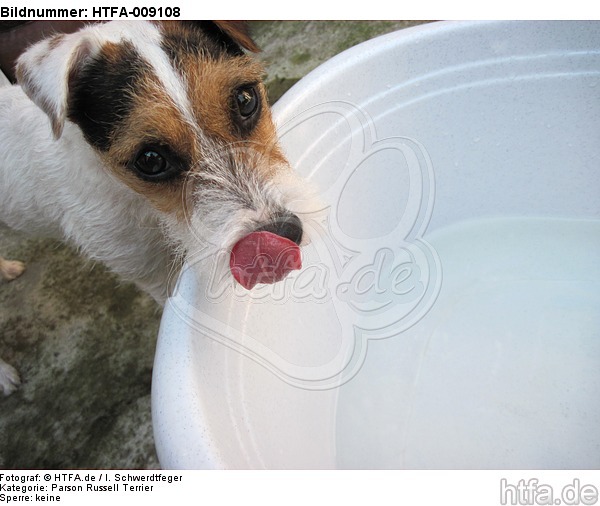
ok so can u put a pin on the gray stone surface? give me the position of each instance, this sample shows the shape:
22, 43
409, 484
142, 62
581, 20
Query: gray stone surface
84, 342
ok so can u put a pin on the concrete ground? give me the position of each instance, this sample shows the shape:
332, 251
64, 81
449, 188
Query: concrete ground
84, 342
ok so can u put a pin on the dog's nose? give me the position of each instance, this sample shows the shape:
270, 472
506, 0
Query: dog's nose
286, 225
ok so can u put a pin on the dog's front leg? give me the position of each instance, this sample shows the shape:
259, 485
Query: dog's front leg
9, 378
11, 269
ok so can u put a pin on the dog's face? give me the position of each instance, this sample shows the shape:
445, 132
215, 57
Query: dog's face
177, 112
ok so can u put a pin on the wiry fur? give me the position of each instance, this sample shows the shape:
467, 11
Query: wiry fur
232, 196
65, 169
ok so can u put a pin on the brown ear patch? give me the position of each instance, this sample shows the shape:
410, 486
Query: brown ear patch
239, 33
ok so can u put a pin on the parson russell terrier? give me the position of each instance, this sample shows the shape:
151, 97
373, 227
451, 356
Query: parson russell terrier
142, 142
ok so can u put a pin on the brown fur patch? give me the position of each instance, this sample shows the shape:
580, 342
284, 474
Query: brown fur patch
154, 118
211, 86
238, 31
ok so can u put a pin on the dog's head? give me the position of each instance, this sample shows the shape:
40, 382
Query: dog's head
178, 112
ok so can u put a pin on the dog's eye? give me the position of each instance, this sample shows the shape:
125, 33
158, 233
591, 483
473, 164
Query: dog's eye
246, 101
245, 108
153, 164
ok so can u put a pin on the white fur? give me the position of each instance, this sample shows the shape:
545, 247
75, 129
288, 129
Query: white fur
59, 188
53, 183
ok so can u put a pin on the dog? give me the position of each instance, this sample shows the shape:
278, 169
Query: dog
142, 142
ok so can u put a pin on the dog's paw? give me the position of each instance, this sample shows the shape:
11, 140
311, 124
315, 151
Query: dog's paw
9, 378
11, 269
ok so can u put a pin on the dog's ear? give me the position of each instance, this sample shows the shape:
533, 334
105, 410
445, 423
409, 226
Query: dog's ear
239, 33
47, 71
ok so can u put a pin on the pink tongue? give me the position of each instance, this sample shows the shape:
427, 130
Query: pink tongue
263, 257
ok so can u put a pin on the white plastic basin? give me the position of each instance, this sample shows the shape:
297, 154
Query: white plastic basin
448, 315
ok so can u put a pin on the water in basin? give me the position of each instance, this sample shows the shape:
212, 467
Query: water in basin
507, 372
